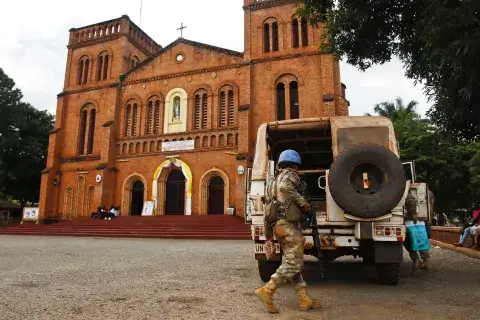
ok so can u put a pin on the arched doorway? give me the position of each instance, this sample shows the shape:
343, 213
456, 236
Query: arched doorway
216, 193
175, 193
136, 203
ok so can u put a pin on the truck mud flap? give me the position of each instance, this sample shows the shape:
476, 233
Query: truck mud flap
388, 252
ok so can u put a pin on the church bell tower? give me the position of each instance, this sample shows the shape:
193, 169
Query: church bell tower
273, 29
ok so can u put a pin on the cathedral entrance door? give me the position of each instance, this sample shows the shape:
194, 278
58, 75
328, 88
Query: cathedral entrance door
175, 194
216, 196
136, 204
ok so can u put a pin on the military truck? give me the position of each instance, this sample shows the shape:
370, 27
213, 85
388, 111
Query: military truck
356, 183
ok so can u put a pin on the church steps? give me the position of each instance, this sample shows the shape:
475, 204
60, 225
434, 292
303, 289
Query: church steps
166, 236
171, 227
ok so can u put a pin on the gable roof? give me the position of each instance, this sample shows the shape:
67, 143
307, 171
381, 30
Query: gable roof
187, 42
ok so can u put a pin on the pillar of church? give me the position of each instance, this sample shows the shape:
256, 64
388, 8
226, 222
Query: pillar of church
51, 179
106, 141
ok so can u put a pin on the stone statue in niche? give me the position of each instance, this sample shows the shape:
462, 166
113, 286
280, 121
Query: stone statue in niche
176, 109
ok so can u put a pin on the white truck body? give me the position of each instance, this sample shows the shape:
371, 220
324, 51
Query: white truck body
378, 240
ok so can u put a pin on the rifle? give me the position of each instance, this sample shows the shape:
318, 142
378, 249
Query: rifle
310, 221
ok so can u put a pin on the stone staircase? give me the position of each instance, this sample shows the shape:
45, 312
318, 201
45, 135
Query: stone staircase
221, 227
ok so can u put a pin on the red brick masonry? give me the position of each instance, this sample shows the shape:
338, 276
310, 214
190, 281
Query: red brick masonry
450, 235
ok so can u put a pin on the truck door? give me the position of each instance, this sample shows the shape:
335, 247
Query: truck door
248, 202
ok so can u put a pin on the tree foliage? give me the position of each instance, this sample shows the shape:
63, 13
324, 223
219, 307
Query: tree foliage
394, 110
437, 41
24, 133
451, 168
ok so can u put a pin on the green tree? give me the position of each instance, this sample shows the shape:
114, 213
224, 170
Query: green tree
394, 110
437, 41
24, 133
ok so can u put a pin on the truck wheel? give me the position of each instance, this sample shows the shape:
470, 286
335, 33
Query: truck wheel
368, 258
267, 268
384, 186
388, 273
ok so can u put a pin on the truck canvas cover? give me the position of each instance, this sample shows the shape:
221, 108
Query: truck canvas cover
346, 131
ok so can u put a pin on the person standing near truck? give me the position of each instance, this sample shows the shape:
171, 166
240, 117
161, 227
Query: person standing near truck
286, 189
411, 215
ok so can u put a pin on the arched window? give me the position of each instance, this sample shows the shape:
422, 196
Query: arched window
266, 37
153, 115
294, 107
205, 142
201, 109
176, 109
132, 112
287, 92
91, 131
204, 109
82, 72
274, 36
86, 137
221, 141
83, 131
295, 37
102, 66
135, 119
227, 106
150, 116
280, 101
213, 141
304, 33
230, 139
128, 120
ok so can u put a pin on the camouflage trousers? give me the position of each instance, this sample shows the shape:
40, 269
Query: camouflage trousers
414, 255
291, 241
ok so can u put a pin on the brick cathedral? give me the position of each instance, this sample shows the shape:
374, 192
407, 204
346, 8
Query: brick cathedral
177, 125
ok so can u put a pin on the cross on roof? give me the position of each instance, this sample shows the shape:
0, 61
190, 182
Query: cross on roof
181, 30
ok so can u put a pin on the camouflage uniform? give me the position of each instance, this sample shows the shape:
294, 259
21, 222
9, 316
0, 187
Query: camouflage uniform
287, 188
288, 230
291, 240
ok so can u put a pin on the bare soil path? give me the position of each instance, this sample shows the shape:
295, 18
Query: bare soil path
86, 278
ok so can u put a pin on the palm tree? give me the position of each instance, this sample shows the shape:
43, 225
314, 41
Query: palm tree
395, 109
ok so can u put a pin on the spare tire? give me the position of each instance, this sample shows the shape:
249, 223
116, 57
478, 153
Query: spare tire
367, 181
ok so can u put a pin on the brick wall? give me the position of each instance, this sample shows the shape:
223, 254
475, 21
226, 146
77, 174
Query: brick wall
450, 235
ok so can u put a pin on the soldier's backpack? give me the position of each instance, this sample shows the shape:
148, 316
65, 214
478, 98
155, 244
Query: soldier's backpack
272, 206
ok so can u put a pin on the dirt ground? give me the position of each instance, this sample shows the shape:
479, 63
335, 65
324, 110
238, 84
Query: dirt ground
88, 278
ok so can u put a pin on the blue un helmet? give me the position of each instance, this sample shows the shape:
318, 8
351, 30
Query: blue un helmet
290, 156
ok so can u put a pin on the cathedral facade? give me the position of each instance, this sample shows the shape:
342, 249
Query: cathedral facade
176, 125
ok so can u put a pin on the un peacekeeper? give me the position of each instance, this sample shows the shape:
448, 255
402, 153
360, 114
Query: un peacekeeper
288, 232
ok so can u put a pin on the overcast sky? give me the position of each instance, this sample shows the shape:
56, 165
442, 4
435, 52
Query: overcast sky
35, 34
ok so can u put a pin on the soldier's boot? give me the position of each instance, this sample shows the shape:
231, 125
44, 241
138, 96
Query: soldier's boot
306, 303
415, 266
425, 264
265, 294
